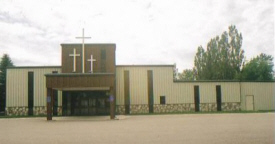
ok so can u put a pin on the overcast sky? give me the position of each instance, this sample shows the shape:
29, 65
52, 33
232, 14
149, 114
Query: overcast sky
145, 31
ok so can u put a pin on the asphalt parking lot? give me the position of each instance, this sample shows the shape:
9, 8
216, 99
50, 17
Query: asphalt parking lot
244, 128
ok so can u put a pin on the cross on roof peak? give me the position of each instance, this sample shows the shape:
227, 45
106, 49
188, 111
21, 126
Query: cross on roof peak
83, 50
91, 60
83, 37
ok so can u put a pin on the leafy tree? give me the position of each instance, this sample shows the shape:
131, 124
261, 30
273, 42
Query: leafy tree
187, 74
200, 64
5, 62
223, 57
259, 68
175, 72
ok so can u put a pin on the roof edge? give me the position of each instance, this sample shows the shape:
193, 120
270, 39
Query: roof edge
23, 67
77, 74
194, 81
88, 44
144, 65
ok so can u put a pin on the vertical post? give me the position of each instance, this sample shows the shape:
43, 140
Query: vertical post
49, 103
112, 103
219, 97
197, 98
127, 92
150, 87
83, 52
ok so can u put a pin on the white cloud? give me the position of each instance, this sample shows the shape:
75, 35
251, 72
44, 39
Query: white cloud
146, 32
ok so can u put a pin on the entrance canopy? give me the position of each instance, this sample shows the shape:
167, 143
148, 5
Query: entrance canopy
83, 89
80, 82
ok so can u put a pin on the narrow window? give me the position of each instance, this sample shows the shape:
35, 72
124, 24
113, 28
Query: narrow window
54, 72
103, 54
162, 100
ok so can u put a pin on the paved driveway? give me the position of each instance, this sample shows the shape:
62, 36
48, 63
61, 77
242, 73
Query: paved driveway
251, 128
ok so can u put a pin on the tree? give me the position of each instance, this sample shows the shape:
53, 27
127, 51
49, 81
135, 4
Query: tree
200, 64
223, 57
5, 62
175, 72
187, 74
259, 68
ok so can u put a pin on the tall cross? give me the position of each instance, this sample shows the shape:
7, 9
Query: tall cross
91, 60
74, 55
83, 50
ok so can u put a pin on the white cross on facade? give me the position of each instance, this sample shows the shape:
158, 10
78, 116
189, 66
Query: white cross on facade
91, 60
74, 55
83, 50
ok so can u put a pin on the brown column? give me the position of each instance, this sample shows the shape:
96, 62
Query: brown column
112, 103
49, 103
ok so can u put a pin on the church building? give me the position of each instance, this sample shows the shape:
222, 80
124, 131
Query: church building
89, 82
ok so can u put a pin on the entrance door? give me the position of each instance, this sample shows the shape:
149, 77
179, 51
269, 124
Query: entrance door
250, 102
85, 103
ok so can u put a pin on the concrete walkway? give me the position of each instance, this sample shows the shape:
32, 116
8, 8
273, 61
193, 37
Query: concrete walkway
251, 128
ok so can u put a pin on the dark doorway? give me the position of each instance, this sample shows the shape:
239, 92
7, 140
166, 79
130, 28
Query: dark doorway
30, 92
197, 98
219, 97
78, 103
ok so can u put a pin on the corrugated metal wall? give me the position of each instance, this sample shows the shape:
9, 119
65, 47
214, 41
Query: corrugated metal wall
175, 92
184, 92
263, 92
138, 84
163, 85
120, 86
17, 86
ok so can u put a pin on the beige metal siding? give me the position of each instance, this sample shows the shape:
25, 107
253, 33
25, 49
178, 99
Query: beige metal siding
17, 89
230, 92
184, 92
175, 92
263, 92
17, 86
207, 92
163, 84
138, 86
119, 86
162, 80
